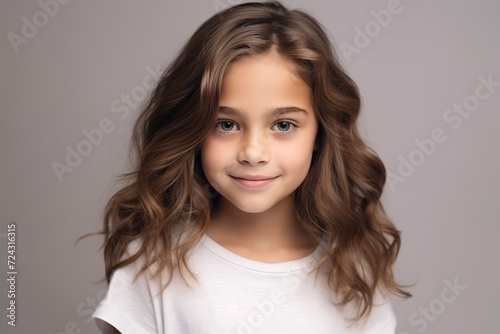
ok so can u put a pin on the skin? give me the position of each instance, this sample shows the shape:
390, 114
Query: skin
260, 224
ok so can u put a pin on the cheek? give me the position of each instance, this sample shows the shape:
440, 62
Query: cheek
213, 157
215, 160
298, 159
207, 157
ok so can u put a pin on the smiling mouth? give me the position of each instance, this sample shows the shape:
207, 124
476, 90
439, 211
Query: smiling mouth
254, 182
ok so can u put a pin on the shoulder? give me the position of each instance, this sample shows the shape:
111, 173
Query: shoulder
382, 318
133, 247
129, 303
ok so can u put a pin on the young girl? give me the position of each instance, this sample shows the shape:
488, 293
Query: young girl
254, 206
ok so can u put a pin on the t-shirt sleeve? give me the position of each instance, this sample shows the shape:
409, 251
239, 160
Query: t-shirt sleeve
382, 318
128, 305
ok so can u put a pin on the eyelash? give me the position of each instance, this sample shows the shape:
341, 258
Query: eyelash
284, 133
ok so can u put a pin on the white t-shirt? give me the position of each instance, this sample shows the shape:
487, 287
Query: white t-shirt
233, 295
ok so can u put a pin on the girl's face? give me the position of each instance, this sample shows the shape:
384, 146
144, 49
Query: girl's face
260, 149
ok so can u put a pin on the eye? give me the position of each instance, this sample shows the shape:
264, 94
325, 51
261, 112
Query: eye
284, 126
225, 126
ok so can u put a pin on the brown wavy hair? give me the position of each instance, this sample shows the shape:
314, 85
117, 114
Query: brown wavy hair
339, 199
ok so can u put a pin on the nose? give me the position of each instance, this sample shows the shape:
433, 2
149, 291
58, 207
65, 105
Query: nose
254, 150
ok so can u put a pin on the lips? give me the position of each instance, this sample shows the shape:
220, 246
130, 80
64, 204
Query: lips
254, 181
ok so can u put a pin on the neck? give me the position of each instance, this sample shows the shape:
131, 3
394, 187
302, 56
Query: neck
274, 229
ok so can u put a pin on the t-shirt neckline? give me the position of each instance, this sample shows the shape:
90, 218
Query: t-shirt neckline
306, 262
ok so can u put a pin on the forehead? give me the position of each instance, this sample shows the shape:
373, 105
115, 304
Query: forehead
264, 82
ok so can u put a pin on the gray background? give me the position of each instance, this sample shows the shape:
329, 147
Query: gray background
91, 53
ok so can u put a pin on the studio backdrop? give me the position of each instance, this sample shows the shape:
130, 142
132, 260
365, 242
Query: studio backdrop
74, 75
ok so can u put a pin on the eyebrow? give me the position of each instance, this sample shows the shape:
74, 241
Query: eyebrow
274, 112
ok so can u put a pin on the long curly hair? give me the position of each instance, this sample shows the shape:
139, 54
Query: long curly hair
167, 189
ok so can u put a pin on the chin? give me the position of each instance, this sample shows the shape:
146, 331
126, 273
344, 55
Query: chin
249, 205
249, 208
